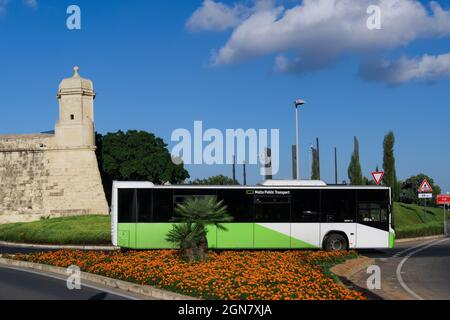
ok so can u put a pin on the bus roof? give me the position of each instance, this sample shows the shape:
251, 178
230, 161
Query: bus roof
150, 185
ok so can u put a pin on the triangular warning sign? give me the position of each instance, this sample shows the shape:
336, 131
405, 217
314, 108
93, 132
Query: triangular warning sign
425, 187
378, 177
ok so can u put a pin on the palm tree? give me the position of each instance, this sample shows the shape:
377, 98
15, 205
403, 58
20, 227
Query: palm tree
193, 215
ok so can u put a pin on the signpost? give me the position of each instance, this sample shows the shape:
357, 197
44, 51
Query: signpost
425, 187
378, 177
444, 199
425, 192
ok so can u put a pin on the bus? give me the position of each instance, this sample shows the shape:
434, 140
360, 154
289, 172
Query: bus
272, 215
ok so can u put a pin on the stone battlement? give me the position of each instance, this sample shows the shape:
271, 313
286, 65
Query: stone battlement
54, 175
26, 142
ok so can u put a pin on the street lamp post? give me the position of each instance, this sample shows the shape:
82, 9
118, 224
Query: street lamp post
298, 103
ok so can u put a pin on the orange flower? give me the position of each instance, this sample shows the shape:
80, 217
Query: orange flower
235, 275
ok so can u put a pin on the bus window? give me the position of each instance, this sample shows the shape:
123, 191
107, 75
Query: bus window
372, 212
127, 205
376, 196
144, 200
272, 209
338, 205
162, 205
180, 195
194, 192
373, 206
305, 206
239, 204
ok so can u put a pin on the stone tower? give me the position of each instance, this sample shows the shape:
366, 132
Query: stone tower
75, 127
54, 175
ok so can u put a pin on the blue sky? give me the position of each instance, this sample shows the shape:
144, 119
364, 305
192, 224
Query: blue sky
155, 71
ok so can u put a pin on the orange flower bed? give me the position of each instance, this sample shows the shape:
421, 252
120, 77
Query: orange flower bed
227, 275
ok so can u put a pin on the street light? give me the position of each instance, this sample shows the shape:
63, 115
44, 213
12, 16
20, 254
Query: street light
298, 103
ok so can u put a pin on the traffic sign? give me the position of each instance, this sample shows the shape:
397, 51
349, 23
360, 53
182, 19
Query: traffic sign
378, 177
443, 199
425, 196
425, 187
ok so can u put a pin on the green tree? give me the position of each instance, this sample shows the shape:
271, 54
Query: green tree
354, 169
219, 180
315, 165
390, 176
368, 182
137, 156
410, 187
191, 233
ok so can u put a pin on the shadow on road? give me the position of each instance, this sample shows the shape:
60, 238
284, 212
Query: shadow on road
99, 296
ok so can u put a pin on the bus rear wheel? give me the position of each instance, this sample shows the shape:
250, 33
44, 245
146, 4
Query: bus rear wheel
335, 242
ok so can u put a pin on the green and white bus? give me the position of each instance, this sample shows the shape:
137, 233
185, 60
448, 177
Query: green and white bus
273, 215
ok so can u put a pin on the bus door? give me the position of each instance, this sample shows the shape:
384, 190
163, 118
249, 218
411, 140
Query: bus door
339, 214
373, 219
373, 225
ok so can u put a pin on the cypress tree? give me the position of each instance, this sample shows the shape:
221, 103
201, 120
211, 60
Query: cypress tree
390, 176
315, 165
316, 162
354, 169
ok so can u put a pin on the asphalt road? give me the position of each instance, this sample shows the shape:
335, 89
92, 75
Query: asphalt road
418, 270
17, 284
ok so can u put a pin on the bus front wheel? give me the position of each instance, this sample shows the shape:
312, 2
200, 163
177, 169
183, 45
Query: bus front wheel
335, 242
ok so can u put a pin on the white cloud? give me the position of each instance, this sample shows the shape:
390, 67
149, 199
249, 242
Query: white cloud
31, 3
317, 32
216, 16
427, 68
3, 4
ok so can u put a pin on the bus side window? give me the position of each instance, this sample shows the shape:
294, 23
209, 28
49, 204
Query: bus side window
372, 212
272, 209
162, 205
373, 206
306, 206
127, 205
239, 204
338, 206
144, 199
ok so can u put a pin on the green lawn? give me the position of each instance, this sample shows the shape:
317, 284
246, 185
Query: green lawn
410, 221
83, 230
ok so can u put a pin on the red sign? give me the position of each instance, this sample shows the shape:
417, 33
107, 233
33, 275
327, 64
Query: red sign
378, 177
443, 199
425, 187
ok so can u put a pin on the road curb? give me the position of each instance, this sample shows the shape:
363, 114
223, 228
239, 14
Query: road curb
345, 271
146, 291
57, 247
419, 238
352, 266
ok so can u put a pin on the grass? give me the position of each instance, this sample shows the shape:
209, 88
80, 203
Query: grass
80, 230
415, 221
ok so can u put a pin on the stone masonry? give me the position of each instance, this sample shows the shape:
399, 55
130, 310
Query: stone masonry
54, 175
